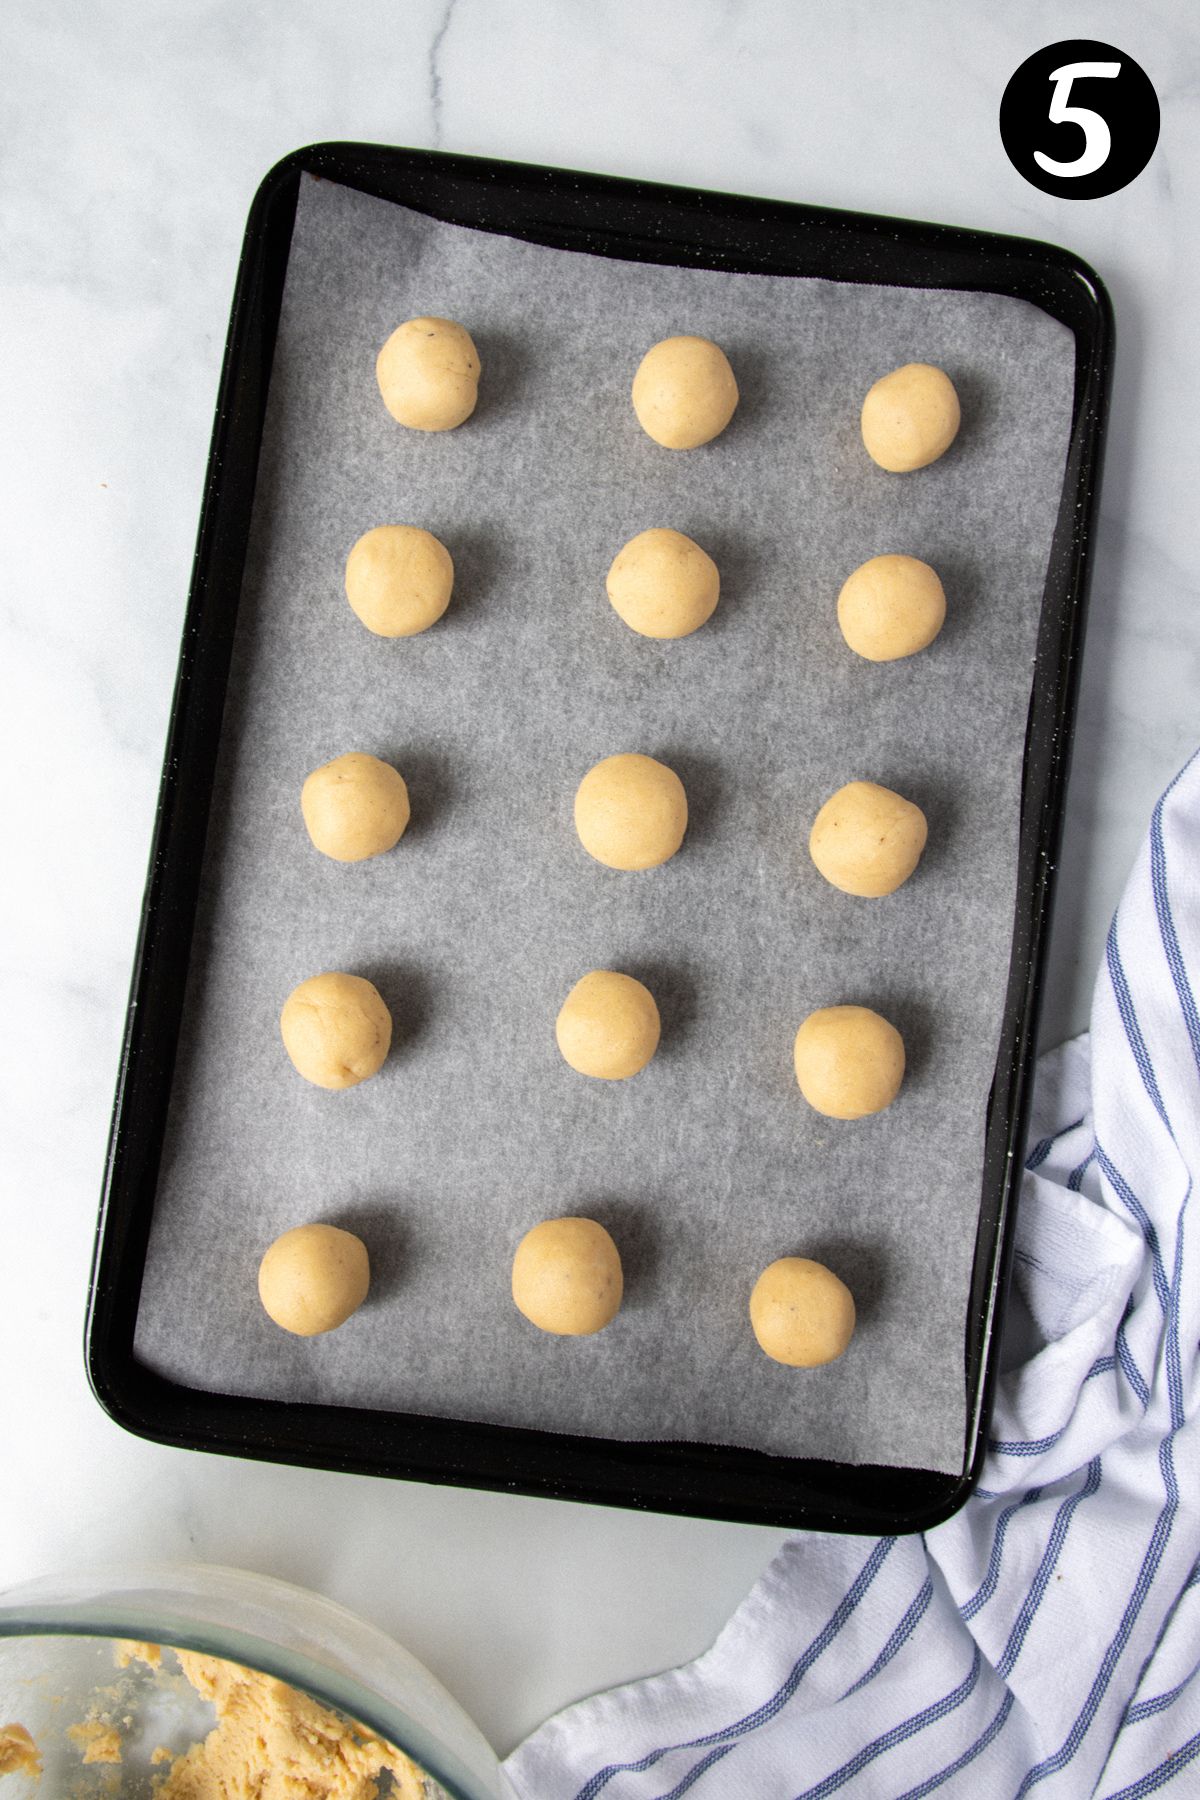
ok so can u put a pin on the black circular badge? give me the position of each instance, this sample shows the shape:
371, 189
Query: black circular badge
1079, 119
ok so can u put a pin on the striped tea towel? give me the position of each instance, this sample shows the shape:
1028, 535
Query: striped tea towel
1047, 1638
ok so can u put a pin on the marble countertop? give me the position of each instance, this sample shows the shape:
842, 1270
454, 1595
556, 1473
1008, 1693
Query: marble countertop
135, 137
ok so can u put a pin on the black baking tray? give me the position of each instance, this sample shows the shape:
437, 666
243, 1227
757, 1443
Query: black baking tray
644, 222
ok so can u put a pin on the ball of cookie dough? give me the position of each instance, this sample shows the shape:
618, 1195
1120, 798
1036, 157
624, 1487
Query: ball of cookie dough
398, 580
849, 1061
631, 812
428, 374
867, 840
313, 1277
354, 807
801, 1313
608, 1026
336, 1029
910, 418
663, 585
684, 392
892, 606
566, 1277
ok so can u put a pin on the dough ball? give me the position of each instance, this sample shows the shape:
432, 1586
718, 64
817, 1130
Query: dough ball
684, 393
663, 585
313, 1277
428, 374
631, 812
891, 606
566, 1277
336, 1029
910, 418
849, 1061
801, 1313
867, 840
608, 1026
398, 580
354, 807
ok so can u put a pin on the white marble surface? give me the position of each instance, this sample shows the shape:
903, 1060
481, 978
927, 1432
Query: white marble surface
135, 133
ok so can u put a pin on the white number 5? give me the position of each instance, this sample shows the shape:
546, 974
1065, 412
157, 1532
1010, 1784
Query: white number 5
1097, 137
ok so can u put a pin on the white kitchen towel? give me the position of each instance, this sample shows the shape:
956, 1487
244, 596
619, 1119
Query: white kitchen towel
1047, 1638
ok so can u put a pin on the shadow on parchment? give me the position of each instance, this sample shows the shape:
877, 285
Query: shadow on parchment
387, 1236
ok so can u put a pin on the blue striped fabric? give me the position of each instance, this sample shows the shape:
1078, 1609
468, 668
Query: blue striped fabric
899, 1637
1046, 1639
1145, 1709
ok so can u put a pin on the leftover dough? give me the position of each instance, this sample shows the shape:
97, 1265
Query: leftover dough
663, 584
336, 1029
272, 1742
631, 812
399, 579
428, 374
867, 840
802, 1314
99, 1740
313, 1277
910, 418
355, 806
892, 606
18, 1752
608, 1026
849, 1061
684, 392
566, 1277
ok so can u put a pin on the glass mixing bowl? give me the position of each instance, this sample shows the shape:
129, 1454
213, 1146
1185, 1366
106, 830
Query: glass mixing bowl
56, 1654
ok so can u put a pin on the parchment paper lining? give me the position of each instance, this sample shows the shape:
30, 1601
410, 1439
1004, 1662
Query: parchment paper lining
709, 1164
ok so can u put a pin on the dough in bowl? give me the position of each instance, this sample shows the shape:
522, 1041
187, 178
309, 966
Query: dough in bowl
849, 1061
663, 584
399, 579
892, 606
867, 840
910, 418
684, 392
428, 374
608, 1026
801, 1313
631, 812
336, 1029
313, 1277
19, 1754
566, 1277
355, 807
